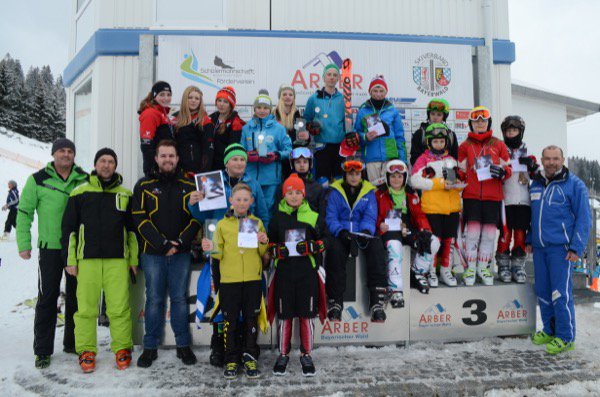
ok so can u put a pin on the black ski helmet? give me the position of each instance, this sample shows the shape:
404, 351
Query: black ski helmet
513, 122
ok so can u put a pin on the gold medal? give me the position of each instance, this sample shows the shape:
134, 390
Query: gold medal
325, 115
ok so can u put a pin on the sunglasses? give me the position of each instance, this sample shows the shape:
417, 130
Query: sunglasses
352, 165
479, 114
438, 106
301, 152
398, 168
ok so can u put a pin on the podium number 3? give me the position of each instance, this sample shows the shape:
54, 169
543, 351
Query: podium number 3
478, 315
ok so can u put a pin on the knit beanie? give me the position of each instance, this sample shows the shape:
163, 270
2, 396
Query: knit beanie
227, 93
263, 99
378, 81
62, 143
330, 66
294, 182
105, 151
159, 87
235, 149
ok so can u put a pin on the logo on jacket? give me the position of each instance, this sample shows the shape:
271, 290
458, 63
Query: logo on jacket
432, 74
156, 191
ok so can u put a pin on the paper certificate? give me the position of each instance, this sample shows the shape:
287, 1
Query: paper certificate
248, 233
211, 183
292, 237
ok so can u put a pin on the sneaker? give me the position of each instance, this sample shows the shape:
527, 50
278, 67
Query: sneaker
503, 262
397, 299
123, 358
42, 362
87, 362
432, 279
447, 277
557, 345
308, 368
147, 357
541, 338
469, 277
377, 313
250, 366
186, 355
281, 365
231, 370
334, 311
486, 276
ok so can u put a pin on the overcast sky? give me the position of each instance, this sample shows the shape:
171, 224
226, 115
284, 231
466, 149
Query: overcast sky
557, 46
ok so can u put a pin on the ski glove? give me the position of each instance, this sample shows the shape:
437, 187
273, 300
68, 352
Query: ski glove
310, 247
344, 235
253, 156
423, 242
270, 158
279, 250
352, 140
497, 171
530, 162
428, 172
313, 127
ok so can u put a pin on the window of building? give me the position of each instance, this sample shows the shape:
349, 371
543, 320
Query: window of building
83, 125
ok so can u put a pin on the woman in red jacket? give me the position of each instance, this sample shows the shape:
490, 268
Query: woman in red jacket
228, 125
155, 123
483, 162
194, 133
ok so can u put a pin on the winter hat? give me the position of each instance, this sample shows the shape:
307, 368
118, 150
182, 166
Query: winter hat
284, 87
227, 93
378, 81
294, 182
105, 151
62, 143
235, 149
263, 99
330, 66
159, 87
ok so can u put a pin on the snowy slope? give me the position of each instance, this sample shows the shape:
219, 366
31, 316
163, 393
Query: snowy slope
18, 144
422, 369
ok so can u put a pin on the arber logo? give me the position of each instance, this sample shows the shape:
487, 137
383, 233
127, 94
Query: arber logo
304, 79
512, 312
435, 315
432, 74
351, 327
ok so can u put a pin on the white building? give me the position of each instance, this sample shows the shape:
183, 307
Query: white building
106, 80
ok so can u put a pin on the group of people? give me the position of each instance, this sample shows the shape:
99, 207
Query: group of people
310, 209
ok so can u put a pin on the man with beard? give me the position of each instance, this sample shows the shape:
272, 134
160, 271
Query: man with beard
166, 229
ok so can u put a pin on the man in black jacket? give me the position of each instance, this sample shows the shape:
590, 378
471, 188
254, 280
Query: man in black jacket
166, 231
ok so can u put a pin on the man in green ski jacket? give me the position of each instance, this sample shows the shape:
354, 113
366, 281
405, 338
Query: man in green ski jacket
46, 192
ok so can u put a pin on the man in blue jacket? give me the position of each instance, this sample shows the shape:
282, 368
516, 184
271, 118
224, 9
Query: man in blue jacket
12, 204
560, 225
351, 218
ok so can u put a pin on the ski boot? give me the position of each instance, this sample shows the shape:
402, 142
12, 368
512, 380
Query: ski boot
397, 299
377, 301
308, 368
418, 281
123, 359
42, 362
432, 278
334, 310
517, 264
447, 277
250, 366
557, 346
87, 361
541, 338
484, 273
217, 347
503, 262
469, 275
281, 365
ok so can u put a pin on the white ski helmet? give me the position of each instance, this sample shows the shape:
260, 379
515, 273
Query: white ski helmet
396, 166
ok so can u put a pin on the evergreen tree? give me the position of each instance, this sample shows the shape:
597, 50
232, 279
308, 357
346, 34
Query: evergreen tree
11, 94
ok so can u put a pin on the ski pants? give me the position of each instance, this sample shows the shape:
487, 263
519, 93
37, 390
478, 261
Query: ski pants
11, 220
112, 276
335, 265
269, 191
554, 289
328, 162
51, 268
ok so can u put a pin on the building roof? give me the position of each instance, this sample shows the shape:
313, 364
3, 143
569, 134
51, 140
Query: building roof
576, 108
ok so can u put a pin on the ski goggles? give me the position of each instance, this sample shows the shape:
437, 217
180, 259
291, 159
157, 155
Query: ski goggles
437, 133
397, 168
353, 165
479, 113
301, 152
437, 106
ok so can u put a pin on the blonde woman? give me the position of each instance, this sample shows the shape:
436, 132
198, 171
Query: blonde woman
194, 133
286, 113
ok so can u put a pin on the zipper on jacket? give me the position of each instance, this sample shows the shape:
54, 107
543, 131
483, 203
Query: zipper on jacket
565, 232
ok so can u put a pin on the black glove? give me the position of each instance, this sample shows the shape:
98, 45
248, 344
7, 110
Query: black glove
530, 162
279, 251
344, 235
313, 127
497, 172
428, 172
423, 242
363, 241
310, 247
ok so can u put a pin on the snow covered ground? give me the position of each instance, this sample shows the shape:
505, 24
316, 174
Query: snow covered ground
491, 367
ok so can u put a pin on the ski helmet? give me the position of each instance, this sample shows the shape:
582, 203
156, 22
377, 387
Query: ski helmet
301, 152
480, 112
513, 122
396, 166
436, 131
439, 105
